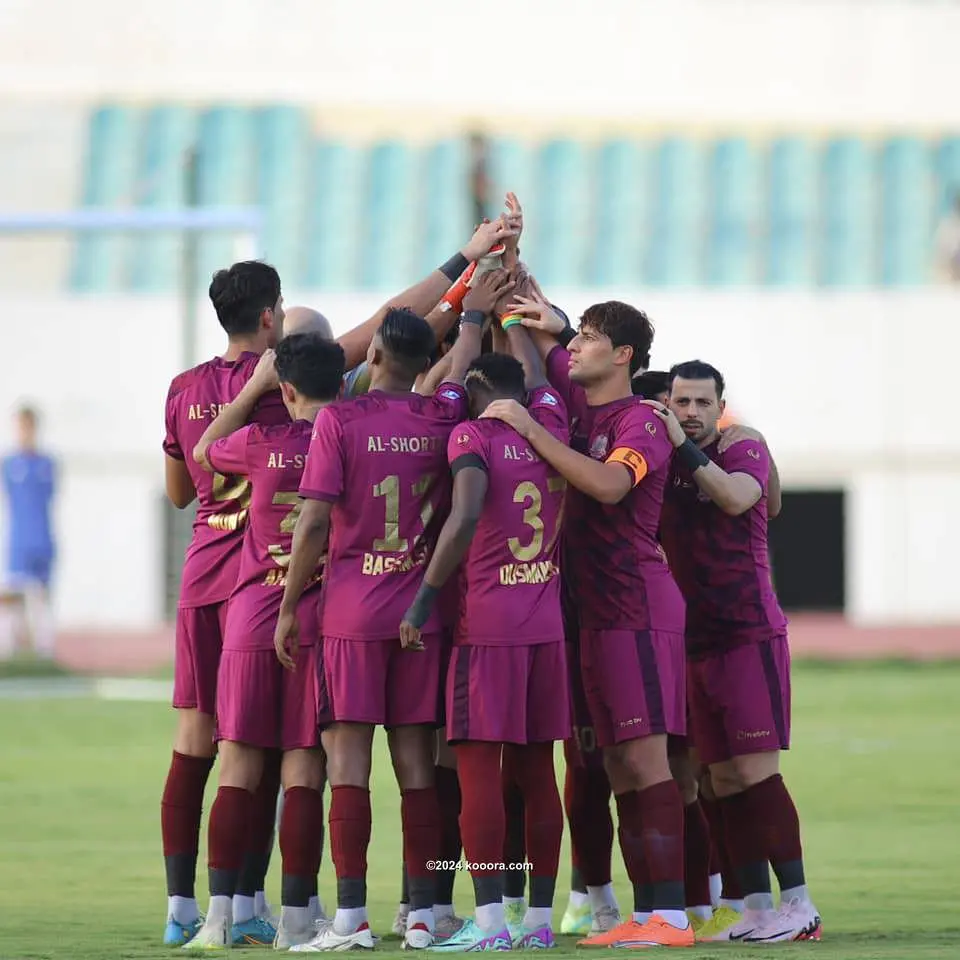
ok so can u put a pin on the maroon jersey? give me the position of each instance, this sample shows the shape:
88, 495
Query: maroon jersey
194, 399
616, 573
510, 584
721, 562
381, 459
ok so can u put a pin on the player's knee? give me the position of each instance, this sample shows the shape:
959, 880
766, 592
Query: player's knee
195, 734
725, 780
303, 768
445, 755
641, 763
412, 756
241, 765
754, 768
348, 748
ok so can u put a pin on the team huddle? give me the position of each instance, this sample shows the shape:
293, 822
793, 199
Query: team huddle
486, 532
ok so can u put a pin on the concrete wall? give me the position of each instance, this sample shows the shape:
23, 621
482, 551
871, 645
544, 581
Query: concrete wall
847, 388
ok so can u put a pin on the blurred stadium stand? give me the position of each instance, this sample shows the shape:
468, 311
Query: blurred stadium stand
673, 211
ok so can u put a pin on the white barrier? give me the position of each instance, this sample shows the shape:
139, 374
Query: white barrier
855, 390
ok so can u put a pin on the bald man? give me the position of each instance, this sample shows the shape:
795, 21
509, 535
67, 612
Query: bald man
306, 320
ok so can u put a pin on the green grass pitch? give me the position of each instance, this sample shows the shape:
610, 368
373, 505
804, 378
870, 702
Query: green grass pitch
874, 771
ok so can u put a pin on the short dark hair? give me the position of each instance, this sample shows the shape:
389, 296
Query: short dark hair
698, 370
650, 384
626, 326
241, 293
407, 339
312, 364
498, 374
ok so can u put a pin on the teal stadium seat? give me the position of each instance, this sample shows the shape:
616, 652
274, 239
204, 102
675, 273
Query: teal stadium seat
283, 146
679, 205
512, 166
226, 178
948, 173
622, 220
156, 259
109, 181
335, 216
563, 213
446, 207
791, 212
392, 216
848, 214
734, 217
906, 184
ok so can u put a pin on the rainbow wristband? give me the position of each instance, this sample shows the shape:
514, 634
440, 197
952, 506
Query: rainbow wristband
510, 321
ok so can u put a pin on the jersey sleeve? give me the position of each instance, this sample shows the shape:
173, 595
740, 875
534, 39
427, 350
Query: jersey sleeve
558, 373
467, 448
450, 402
640, 442
323, 474
550, 412
228, 455
749, 457
171, 445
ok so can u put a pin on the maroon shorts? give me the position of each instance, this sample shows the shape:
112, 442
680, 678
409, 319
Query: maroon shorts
740, 700
264, 705
635, 683
580, 749
508, 694
378, 682
199, 639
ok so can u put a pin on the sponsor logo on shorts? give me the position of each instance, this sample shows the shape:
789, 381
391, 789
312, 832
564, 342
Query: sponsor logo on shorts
633, 722
752, 734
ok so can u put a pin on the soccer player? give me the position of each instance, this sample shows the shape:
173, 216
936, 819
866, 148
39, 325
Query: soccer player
29, 482
261, 706
249, 305
376, 481
652, 385
714, 530
629, 608
508, 660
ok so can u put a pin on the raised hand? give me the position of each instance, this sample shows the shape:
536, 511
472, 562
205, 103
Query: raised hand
537, 315
486, 236
488, 289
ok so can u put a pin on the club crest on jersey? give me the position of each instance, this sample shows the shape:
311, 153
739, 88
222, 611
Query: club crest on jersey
751, 452
463, 439
549, 399
598, 449
651, 428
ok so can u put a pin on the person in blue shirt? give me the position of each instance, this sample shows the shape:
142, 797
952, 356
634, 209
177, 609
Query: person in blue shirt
29, 483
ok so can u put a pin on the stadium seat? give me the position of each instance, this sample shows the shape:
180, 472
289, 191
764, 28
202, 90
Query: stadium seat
563, 213
791, 213
335, 217
156, 258
621, 225
226, 177
848, 214
283, 144
906, 185
734, 218
109, 180
676, 246
392, 217
445, 203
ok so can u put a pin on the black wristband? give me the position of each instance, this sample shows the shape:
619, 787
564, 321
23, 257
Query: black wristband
422, 606
474, 316
454, 267
564, 338
691, 455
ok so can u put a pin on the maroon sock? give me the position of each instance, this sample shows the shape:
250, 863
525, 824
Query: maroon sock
630, 835
732, 889
586, 795
482, 818
746, 843
661, 820
301, 839
180, 812
260, 835
777, 823
350, 823
696, 856
543, 818
448, 796
420, 819
227, 838
514, 847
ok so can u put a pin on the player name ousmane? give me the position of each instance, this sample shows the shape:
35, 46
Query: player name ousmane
543, 571
404, 444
